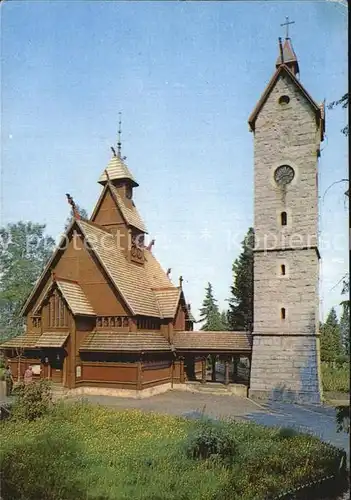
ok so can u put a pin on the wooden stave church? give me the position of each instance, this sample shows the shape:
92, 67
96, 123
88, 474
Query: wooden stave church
104, 318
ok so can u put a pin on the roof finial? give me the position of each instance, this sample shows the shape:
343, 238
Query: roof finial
281, 51
70, 200
287, 22
181, 279
119, 143
150, 245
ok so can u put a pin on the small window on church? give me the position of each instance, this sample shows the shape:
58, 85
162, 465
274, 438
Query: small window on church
284, 99
282, 313
283, 218
282, 269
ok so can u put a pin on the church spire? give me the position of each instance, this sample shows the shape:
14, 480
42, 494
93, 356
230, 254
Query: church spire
117, 170
287, 54
119, 142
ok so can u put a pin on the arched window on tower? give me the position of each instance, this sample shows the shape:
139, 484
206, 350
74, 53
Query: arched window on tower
283, 218
282, 313
282, 269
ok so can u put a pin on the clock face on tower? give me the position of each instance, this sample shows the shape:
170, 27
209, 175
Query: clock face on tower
284, 175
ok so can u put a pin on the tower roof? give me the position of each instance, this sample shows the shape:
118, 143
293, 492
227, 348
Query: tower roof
284, 69
117, 170
289, 56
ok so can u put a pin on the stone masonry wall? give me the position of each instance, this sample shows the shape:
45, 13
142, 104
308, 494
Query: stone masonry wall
296, 291
286, 134
285, 356
285, 368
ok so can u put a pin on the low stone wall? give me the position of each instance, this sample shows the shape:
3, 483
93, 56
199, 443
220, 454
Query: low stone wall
122, 393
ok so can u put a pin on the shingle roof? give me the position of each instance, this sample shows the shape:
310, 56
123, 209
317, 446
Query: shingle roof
42, 296
76, 298
214, 341
133, 282
27, 340
129, 341
131, 215
52, 339
117, 169
156, 275
288, 53
168, 300
73, 294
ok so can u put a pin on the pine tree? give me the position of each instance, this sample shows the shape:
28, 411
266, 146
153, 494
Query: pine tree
224, 320
330, 340
345, 330
240, 314
209, 313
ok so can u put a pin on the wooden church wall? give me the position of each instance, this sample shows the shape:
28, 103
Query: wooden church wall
108, 213
108, 374
78, 264
179, 321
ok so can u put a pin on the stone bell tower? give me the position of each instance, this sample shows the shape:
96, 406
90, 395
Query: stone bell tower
288, 127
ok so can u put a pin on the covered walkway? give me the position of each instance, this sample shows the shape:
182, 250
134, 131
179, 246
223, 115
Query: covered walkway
218, 353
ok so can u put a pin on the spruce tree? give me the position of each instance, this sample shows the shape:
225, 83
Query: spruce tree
209, 313
224, 321
345, 331
240, 314
330, 340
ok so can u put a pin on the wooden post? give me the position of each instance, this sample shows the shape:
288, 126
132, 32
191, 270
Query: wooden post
181, 370
226, 372
72, 352
64, 370
213, 364
140, 376
170, 332
235, 368
203, 366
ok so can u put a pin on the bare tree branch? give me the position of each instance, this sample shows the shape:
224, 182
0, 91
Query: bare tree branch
344, 101
340, 280
331, 185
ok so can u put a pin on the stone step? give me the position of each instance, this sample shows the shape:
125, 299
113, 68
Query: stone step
58, 391
209, 388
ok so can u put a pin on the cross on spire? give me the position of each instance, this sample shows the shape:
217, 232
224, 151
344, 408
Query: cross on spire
287, 23
119, 143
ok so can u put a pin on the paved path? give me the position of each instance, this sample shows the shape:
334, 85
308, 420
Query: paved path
317, 420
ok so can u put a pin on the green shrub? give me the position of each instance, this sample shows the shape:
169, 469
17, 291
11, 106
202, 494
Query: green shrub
336, 378
287, 433
208, 439
342, 359
343, 419
48, 467
33, 400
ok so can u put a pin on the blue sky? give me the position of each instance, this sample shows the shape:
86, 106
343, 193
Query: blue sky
186, 76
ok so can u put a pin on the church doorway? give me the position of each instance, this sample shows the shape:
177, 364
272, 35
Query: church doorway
53, 362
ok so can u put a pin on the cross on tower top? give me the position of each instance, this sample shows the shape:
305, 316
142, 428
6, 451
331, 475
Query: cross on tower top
119, 143
287, 22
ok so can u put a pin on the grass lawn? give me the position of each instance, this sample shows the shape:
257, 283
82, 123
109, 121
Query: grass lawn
336, 378
79, 451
